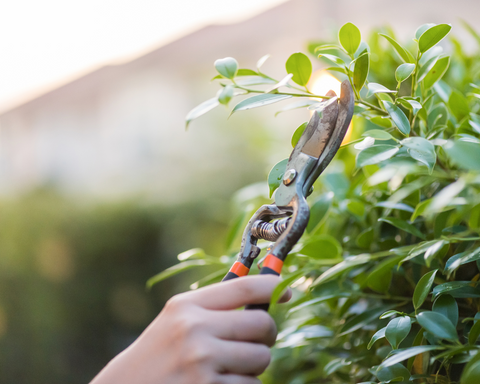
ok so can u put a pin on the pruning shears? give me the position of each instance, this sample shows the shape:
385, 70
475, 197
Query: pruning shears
284, 221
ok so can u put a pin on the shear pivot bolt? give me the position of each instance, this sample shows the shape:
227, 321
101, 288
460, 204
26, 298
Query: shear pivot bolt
289, 176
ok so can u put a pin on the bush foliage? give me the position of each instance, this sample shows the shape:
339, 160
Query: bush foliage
386, 275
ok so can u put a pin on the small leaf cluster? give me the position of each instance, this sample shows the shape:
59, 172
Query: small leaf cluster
386, 276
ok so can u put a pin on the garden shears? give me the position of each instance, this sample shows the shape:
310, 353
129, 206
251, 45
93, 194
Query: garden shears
284, 221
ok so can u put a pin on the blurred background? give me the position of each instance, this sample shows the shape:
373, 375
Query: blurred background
101, 186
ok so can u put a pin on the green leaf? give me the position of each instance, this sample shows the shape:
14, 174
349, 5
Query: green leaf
427, 158
445, 197
317, 300
378, 134
383, 97
246, 72
225, 95
464, 154
340, 268
259, 101
321, 247
350, 38
422, 150
227, 67
422, 29
419, 249
438, 325
355, 207
398, 117
365, 238
390, 313
425, 68
298, 133
172, 271
474, 333
471, 372
474, 220
402, 52
281, 83
236, 228
422, 288
458, 104
390, 205
360, 71
374, 88
194, 253
397, 330
326, 47
361, 320
411, 104
300, 67
461, 258
201, 109
275, 176
381, 276
458, 289
375, 154
407, 353
254, 80
437, 116
475, 126
333, 59
262, 61
438, 249
394, 373
448, 307
433, 36
403, 225
319, 210
337, 69
404, 71
437, 72
382, 121
282, 286
380, 334
297, 105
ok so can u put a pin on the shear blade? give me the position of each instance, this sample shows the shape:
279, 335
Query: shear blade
320, 129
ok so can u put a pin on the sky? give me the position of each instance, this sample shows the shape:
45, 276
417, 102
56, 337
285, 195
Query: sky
44, 44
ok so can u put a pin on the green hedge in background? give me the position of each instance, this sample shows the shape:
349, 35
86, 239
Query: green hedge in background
386, 276
72, 280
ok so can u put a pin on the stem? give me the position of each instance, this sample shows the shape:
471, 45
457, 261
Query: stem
351, 142
284, 93
287, 85
372, 107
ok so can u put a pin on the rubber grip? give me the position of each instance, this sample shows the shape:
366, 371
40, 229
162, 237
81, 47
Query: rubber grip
230, 276
263, 271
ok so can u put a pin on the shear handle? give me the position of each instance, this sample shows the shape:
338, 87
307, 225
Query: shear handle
274, 261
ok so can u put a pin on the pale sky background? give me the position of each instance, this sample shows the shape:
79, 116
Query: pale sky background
44, 44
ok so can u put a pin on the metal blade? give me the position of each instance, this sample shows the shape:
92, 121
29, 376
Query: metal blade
315, 136
345, 113
320, 136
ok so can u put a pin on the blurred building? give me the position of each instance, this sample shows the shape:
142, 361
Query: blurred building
120, 130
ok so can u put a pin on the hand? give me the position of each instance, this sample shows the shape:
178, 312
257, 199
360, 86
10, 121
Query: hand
200, 338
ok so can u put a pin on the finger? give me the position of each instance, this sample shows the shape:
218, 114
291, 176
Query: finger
236, 293
242, 358
237, 379
250, 326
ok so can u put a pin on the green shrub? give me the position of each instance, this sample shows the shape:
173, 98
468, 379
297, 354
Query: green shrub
386, 275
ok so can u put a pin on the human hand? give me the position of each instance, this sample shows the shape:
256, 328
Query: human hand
200, 338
